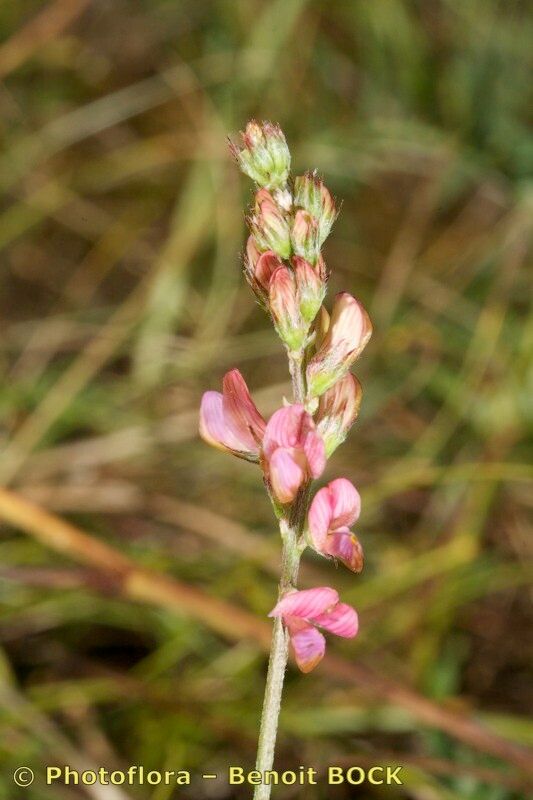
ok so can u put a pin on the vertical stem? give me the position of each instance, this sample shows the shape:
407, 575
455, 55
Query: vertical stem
297, 375
279, 650
279, 653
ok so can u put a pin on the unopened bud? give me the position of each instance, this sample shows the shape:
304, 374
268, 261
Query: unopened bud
259, 268
269, 226
284, 307
337, 411
311, 194
311, 289
348, 333
264, 157
305, 236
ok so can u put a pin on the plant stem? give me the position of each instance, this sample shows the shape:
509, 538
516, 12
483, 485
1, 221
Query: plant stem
279, 653
291, 528
297, 375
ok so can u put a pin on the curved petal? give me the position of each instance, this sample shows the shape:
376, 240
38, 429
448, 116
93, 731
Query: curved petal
309, 645
315, 452
284, 428
345, 503
240, 412
213, 428
286, 475
265, 267
341, 620
320, 517
307, 603
350, 324
345, 546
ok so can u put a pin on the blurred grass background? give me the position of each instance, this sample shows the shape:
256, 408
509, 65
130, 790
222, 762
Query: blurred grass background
121, 300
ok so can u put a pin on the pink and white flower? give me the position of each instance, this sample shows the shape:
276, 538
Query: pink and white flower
334, 509
293, 451
231, 421
303, 612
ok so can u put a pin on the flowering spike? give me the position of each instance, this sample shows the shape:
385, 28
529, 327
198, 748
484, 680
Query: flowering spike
337, 411
264, 157
311, 195
349, 331
285, 268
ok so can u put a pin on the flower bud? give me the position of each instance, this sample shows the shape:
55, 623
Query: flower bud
311, 289
337, 411
349, 331
311, 195
269, 227
285, 310
259, 268
264, 157
305, 236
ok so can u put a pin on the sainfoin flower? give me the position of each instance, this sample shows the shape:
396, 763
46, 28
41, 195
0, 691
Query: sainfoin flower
231, 421
347, 335
303, 612
334, 508
293, 451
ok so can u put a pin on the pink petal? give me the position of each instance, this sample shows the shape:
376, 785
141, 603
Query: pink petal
286, 475
315, 452
266, 265
320, 517
337, 504
345, 546
306, 604
213, 428
350, 324
240, 412
342, 620
308, 644
284, 428
345, 503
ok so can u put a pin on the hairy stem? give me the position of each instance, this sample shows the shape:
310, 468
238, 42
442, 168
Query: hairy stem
296, 360
291, 528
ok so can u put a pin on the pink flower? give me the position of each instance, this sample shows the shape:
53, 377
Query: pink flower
293, 451
333, 510
302, 611
231, 421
